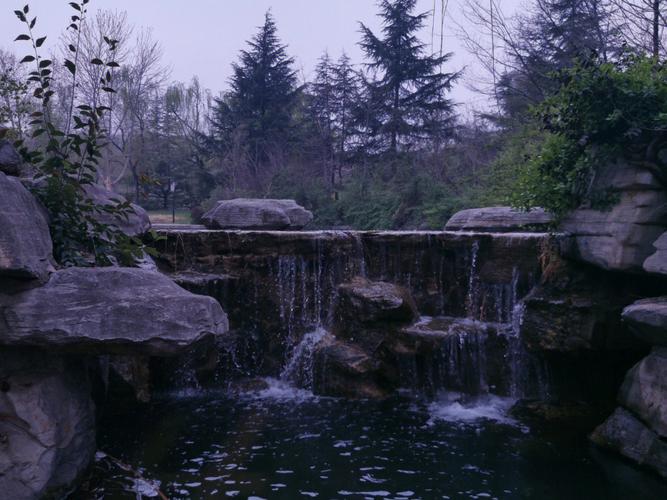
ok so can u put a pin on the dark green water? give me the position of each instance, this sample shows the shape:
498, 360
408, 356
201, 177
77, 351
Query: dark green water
285, 443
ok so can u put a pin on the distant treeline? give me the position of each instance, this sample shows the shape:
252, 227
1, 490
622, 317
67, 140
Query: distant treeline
376, 145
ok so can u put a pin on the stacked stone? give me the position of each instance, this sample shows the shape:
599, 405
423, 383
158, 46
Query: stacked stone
638, 427
53, 323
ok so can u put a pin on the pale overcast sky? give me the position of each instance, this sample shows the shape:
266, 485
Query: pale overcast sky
203, 37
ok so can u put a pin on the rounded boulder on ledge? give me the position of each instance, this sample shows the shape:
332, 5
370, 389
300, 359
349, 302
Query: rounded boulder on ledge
250, 214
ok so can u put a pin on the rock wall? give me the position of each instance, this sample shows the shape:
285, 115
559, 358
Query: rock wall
55, 324
638, 427
621, 237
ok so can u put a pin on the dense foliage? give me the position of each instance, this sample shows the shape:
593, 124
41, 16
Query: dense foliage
603, 113
66, 159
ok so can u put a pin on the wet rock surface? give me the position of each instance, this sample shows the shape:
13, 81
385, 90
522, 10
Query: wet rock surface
578, 308
365, 303
346, 370
500, 220
243, 213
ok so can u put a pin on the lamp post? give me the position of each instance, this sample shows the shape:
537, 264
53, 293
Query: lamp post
172, 189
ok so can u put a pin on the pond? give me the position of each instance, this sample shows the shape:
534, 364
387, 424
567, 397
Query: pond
281, 442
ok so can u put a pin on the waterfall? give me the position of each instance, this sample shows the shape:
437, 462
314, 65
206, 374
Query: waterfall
299, 368
473, 292
280, 289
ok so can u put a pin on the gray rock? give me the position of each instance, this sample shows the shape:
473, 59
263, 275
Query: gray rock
621, 238
135, 372
110, 310
10, 161
500, 220
657, 263
137, 221
648, 320
370, 304
644, 391
344, 370
47, 425
25, 241
623, 433
251, 214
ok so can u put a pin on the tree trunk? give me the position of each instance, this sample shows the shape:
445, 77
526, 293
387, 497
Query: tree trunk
656, 28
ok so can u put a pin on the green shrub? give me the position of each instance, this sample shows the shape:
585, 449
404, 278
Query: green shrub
602, 113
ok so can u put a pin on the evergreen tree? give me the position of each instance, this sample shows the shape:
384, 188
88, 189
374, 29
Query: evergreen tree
407, 86
346, 100
260, 102
551, 38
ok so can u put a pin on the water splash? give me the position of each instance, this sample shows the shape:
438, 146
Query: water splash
299, 367
458, 408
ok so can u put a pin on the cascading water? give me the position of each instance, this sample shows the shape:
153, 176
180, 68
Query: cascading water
299, 368
284, 291
265, 438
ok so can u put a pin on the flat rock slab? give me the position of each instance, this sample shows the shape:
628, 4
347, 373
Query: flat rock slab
246, 213
110, 310
499, 220
647, 318
625, 434
25, 241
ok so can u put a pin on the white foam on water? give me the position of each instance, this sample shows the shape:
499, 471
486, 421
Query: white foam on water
298, 369
280, 391
457, 408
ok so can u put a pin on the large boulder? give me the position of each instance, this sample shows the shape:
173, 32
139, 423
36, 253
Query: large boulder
578, 308
25, 241
500, 220
110, 310
137, 221
344, 370
625, 434
364, 304
644, 391
620, 238
47, 424
250, 214
657, 263
648, 320
10, 161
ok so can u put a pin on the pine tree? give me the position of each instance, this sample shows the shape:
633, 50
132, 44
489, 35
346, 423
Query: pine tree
407, 86
551, 38
347, 95
334, 95
260, 102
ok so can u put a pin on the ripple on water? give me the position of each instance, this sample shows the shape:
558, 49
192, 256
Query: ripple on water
279, 442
